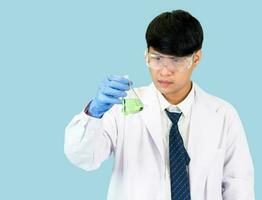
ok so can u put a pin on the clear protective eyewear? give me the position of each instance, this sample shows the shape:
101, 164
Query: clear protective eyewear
157, 61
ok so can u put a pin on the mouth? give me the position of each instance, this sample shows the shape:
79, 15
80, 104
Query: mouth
164, 83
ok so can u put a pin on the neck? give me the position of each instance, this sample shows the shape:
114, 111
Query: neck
178, 97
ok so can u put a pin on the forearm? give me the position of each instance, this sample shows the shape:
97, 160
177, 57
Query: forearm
86, 144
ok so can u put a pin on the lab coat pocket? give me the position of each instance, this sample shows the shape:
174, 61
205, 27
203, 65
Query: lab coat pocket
213, 183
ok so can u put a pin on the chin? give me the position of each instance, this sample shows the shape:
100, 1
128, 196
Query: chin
166, 90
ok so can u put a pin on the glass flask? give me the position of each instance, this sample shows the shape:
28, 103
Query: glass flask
131, 103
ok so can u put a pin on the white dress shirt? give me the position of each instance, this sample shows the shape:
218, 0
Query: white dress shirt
183, 126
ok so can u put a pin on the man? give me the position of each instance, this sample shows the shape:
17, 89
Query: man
184, 144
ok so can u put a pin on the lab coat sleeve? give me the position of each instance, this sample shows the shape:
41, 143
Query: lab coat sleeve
89, 141
238, 175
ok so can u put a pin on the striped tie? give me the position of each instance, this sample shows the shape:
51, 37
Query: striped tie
179, 160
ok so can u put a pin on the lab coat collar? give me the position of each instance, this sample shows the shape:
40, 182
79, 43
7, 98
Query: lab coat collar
150, 98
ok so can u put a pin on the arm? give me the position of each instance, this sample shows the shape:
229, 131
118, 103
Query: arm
89, 140
238, 177
91, 135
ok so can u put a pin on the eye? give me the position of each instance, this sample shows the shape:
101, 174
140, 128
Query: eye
175, 60
178, 60
155, 57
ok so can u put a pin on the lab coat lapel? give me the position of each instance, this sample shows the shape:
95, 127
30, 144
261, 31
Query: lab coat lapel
204, 140
151, 116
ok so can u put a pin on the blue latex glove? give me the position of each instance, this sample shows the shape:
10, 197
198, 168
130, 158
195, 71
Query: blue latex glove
109, 92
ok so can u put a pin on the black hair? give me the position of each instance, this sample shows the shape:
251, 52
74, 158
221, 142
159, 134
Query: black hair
175, 33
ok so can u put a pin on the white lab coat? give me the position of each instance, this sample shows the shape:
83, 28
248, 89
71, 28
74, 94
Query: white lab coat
220, 168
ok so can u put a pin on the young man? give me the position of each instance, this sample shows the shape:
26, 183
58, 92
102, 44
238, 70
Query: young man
184, 144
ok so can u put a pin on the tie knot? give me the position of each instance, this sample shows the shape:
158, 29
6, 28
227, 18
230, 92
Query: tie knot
173, 116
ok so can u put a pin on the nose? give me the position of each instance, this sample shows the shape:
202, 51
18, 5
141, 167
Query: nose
164, 71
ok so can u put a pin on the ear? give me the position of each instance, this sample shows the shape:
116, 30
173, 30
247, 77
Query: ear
197, 57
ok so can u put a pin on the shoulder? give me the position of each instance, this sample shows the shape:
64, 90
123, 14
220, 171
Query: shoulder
215, 103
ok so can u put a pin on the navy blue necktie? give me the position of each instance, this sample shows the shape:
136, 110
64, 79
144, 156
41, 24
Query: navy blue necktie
179, 160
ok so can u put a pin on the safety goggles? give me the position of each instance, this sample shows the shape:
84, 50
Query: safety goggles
157, 61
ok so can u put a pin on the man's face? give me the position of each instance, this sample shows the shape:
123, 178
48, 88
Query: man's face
172, 82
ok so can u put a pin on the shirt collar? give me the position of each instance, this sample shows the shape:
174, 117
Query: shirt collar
184, 106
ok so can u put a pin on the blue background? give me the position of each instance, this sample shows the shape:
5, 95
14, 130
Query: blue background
53, 54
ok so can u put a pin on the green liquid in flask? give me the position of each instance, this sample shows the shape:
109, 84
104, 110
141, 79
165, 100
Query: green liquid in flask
131, 105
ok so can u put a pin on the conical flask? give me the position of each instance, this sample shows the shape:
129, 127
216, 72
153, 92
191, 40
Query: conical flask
131, 103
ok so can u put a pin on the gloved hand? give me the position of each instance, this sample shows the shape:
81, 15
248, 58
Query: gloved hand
109, 92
